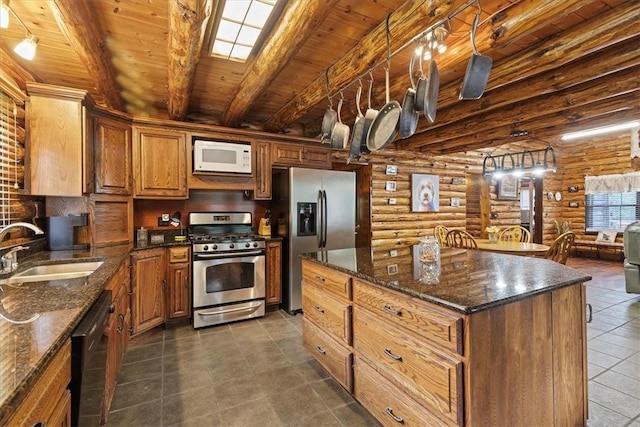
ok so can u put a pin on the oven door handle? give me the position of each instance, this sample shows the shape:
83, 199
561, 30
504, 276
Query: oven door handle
253, 307
227, 255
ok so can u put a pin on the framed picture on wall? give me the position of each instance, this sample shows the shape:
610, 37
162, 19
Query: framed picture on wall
507, 188
425, 193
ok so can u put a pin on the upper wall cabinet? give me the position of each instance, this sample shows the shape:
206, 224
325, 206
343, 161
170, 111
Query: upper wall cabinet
301, 155
59, 154
159, 163
262, 162
112, 145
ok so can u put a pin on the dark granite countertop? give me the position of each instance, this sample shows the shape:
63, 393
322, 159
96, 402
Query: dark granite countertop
469, 280
59, 306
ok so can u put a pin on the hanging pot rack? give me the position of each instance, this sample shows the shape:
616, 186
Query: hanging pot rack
390, 55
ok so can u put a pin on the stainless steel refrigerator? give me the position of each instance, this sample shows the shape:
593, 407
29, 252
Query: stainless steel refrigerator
313, 210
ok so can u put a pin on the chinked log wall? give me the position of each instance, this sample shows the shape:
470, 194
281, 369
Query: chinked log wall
459, 177
599, 156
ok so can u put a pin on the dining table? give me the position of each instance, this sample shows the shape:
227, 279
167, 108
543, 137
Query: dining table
512, 248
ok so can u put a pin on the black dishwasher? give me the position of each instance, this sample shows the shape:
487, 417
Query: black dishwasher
89, 363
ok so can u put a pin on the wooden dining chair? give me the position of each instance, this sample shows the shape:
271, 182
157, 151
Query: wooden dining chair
559, 249
515, 233
461, 239
440, 233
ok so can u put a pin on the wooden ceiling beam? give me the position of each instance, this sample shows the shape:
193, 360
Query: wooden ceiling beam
78, 23
612, 85
298, 22
617, 108
187, 22
617, 58
587, 38
413, 17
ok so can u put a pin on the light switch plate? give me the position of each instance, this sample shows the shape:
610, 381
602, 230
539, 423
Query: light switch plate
392, 201
393, 252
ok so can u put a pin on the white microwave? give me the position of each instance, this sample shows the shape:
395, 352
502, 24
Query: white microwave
217, 156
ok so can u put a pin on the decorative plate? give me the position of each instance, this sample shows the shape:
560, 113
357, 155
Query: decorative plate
558, 196
550, 195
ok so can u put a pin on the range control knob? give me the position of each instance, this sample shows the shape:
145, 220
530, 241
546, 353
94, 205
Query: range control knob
231, 246
214, 247
205, 248
246, 245
255, 244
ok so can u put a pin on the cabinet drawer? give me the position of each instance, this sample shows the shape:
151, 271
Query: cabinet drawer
334, 357
327, 279
444, 329
179, 254
330, 314
429, 376
386, 402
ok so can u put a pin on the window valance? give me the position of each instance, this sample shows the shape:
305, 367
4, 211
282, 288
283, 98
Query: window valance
618, 183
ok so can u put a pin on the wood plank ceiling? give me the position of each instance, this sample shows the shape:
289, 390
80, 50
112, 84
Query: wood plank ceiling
557, 65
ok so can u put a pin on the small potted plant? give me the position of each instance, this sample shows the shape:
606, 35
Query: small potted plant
493, 233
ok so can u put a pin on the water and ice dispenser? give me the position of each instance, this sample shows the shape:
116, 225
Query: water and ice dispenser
307, 219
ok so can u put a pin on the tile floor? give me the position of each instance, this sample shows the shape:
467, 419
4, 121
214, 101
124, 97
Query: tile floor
256, 373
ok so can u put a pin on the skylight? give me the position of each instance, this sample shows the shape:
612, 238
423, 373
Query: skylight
240, 26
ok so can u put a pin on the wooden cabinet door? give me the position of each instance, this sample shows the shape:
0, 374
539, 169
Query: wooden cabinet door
59, 156
179, 301
159, 163
287, 154
274, 272
149, 287
262, 155
317, 157
112, 143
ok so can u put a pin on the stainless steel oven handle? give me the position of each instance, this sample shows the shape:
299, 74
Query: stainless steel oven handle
227, 255
231, 310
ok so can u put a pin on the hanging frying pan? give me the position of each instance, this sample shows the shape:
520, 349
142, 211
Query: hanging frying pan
369, 117
421, 88
478, 69
431, 96
358, 127
409, 116
330, 116
383, 128
340, 133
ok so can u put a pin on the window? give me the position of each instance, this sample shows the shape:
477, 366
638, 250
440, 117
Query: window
612, 211
9, 158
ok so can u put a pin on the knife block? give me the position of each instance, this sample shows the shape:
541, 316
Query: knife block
60, 231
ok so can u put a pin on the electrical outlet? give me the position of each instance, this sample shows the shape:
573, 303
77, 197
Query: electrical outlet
163, 220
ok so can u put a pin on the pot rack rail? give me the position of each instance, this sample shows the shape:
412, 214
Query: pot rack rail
390, 55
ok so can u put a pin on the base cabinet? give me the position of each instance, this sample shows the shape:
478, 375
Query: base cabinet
273, 272
48, 403
117, 331
149, 286
179, 273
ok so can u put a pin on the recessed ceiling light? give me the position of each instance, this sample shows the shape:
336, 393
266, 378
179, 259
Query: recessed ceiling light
239, 28
600, 131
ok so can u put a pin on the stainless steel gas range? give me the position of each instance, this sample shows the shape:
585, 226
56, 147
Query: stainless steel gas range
228, 268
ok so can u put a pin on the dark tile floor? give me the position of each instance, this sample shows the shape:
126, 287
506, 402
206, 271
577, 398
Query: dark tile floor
256, 373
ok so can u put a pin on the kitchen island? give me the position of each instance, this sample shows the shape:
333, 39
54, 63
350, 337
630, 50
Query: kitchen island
499, 340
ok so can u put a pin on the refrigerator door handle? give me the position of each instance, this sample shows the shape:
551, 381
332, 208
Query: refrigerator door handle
324, 217
320, 234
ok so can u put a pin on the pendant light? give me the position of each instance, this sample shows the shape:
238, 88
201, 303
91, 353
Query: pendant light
27, 47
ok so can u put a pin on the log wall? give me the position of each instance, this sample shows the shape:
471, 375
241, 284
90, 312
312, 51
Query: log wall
598, 156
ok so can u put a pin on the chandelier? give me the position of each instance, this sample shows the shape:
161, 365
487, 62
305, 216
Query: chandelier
528, 162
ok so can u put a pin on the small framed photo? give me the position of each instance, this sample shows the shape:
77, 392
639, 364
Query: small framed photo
574, 204
455, 202
392, 170
507, 188
392, 269
573, 189
390, 186
608, 236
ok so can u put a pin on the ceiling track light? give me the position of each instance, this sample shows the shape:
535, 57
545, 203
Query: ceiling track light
600, 130
27, 47
528, 162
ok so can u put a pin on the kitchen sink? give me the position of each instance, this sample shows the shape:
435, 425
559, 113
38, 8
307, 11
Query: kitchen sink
55, 272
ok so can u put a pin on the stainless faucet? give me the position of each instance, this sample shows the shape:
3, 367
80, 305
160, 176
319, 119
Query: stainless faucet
34, 228
10, 259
